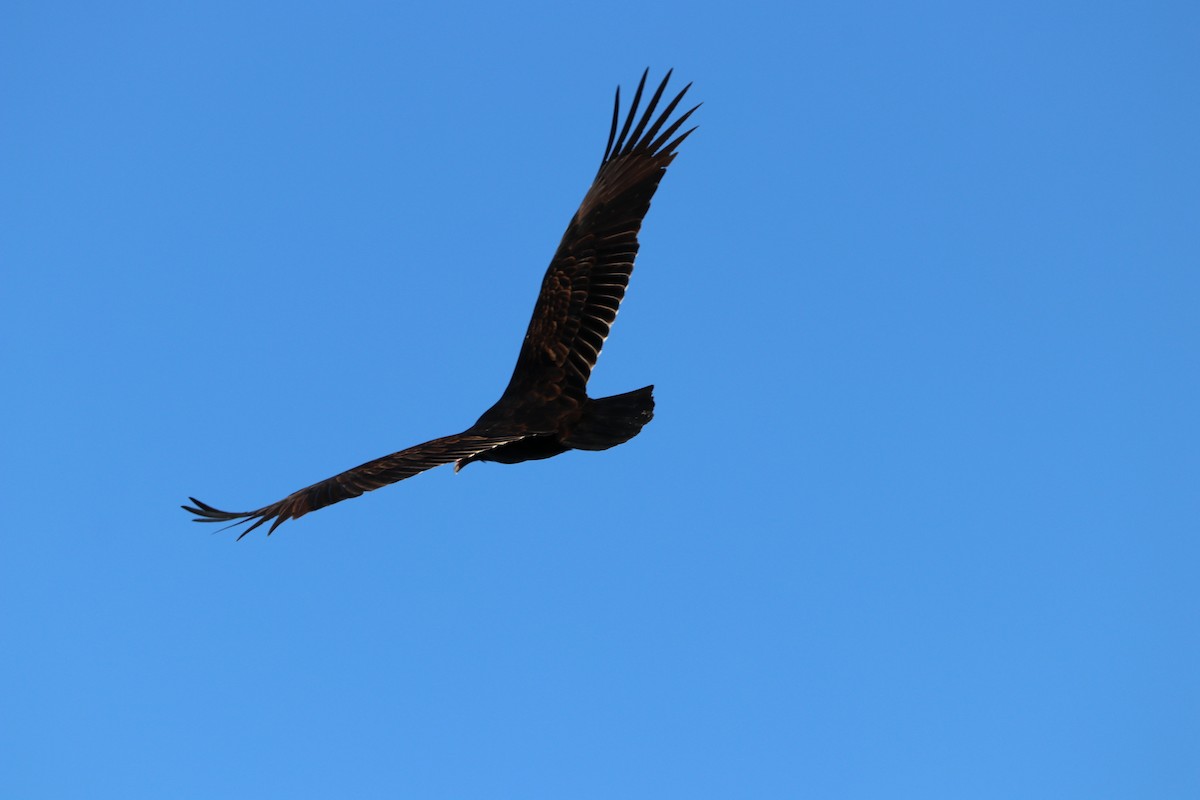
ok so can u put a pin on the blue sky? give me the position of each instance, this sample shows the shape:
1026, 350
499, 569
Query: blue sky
917, 515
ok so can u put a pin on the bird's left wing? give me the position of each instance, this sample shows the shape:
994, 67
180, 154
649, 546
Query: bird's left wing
353, 482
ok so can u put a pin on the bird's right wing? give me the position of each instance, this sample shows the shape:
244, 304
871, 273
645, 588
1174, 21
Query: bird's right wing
353, 482
587, 277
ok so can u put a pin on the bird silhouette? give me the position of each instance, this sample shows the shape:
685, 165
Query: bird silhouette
545, 410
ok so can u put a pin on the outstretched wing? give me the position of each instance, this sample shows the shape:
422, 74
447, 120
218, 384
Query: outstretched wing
586, 280
354, 482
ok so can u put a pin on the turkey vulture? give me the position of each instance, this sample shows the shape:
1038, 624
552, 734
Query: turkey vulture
545, 410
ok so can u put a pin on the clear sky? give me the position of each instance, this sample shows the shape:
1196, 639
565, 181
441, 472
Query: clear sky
918, 512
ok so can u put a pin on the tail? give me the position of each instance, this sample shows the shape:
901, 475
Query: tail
610, 421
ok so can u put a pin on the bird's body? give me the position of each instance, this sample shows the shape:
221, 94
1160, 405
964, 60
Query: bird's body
545, 409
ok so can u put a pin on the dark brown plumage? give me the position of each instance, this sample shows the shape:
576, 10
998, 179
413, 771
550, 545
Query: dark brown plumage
545, 410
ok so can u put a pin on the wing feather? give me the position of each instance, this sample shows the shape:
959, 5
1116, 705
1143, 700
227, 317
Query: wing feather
354, 482
587, 278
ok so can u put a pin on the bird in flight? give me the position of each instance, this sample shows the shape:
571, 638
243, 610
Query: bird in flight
545, 410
